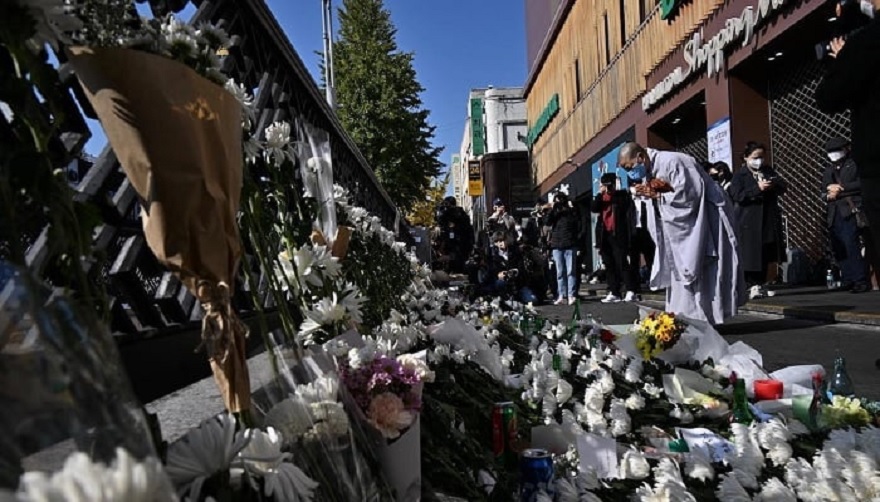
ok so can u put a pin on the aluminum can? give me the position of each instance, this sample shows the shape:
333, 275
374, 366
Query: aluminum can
504, 431
535, 474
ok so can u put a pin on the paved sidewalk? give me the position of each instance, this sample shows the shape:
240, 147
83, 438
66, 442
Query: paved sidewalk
809, 302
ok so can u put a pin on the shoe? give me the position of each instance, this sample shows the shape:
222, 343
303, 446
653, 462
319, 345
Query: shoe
594, 281
572, 300
756, 292
611, 298
631, 297
560, 301
860, 288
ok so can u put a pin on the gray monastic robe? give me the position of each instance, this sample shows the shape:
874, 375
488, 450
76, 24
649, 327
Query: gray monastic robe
696, 260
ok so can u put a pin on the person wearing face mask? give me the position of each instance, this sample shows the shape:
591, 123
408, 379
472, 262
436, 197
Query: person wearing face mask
843, 195
690, 221
755, 190
720, 173
852, 82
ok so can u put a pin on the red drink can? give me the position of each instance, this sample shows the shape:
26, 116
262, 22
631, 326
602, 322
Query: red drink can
504, 431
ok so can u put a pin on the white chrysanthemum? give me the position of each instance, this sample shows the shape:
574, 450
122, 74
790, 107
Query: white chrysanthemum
653, 390
352, 300
730, 490
868, 441
635, 401
797, 428
332, 421
682, 414
829, 464
842, 440
178, 38
419, 366
563, 391
81, 479
213, 36
262, 457
291, 417
620, 419
365, 355
324, 259
203, 452
634, 465
605, 382
699, 467
247, 112
774, 490
277, 144
861, 473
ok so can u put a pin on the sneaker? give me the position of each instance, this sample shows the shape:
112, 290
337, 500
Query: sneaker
611, 298
560, 301
756, 292
594, 280
572, 300
631, 297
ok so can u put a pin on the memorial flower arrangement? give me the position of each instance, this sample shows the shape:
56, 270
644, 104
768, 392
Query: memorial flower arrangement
658, 332
388, 392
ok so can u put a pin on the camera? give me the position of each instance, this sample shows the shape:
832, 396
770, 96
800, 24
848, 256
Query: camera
512, 273
849, 19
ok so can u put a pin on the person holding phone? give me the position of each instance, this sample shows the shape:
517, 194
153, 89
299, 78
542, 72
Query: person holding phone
755, 190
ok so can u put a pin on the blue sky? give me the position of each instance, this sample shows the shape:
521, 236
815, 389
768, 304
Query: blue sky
458, 45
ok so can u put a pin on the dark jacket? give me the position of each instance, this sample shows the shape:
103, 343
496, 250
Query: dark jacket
514, 260
623, 210
848, 177
567, 228
758, 217
852, 82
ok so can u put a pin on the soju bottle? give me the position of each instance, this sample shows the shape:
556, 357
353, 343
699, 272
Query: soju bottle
741, 413
840, 384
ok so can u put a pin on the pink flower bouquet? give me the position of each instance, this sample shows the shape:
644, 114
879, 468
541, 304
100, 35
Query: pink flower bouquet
388, 392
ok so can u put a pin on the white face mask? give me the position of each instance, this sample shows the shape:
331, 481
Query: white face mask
755, 163
836, 156
867, 8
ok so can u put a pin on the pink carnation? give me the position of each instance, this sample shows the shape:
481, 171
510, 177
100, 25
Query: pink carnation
387, 414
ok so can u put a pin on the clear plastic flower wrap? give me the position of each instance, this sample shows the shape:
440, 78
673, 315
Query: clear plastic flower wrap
304, 404
71, 424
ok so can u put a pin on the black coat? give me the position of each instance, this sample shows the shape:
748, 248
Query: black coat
848, 177
853, 82
567, 228
623, 209
758, 218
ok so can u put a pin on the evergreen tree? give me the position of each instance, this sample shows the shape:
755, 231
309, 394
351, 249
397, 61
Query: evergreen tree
379, 104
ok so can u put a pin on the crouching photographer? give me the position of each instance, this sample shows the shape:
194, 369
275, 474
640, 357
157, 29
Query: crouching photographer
852, 82
507, 277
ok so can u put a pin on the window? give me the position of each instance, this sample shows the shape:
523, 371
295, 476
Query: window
643, 11
623, 22
607, 45
577, 80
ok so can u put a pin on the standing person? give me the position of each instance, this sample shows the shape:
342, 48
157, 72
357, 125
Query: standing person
500, 219
843, 195
613, 231
456, 235
641, 245
755, 190
852, 82
721, 174
566, 234
696, 260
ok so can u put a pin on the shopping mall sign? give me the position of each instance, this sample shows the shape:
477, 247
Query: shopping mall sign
540, 125
710, 53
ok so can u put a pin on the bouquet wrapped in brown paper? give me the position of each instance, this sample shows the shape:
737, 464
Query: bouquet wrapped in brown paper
178, 136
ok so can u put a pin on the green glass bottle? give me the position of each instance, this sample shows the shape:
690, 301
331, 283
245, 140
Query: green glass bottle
840, 383
741, 413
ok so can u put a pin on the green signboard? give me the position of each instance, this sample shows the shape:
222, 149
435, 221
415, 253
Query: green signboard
478, 138
668, 8
543, 120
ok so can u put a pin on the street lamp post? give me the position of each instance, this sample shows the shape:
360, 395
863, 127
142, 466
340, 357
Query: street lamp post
329, 83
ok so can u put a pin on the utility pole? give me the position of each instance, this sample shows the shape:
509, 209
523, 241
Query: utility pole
329, 81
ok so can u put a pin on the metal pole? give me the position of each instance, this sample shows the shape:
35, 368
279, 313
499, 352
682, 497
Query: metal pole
327, 18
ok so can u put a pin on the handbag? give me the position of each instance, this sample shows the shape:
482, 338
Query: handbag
861, 219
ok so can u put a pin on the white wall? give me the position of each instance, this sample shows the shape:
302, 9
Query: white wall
505, 117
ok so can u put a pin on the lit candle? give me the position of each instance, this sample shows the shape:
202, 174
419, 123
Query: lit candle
768, 389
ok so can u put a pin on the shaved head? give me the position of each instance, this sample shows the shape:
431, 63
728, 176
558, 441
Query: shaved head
629, 151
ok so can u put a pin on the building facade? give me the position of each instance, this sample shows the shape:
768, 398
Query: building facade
701, 76
493, 158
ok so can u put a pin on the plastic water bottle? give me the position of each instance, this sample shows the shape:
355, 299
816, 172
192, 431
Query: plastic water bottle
829, 279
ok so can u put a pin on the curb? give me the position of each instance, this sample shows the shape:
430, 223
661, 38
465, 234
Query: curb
791, 312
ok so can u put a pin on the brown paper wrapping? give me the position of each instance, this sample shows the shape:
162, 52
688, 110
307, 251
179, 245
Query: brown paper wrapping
178, 138
339, 248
